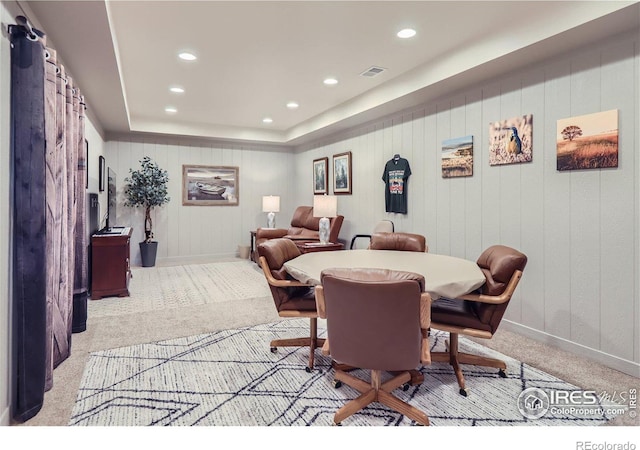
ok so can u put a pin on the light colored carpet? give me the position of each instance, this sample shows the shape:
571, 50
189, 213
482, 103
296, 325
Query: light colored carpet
229, 378
161, 288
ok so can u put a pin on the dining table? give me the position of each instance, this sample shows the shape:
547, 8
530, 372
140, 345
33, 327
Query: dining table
444, 275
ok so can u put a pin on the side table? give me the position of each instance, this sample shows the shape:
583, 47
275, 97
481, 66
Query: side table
309, 247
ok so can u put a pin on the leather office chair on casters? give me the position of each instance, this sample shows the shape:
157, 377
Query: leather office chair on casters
291, 297
479, 314
384, 226
375, 319
406, 242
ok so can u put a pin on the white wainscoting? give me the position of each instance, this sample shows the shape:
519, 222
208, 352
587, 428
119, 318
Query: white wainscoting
578, 228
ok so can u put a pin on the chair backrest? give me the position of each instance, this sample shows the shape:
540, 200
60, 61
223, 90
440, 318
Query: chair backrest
273, 254
373, 317
502, 267
304, 224
384, 226
407, 242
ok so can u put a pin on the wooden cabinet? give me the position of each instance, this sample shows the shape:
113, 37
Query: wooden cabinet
110, 266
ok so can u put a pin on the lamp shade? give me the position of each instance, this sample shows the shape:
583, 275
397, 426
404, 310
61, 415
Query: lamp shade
325, 206
271, 203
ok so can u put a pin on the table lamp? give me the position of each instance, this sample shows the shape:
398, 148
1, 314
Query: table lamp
324, 206
271, 205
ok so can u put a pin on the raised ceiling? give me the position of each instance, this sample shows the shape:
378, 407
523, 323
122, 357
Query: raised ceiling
255, 56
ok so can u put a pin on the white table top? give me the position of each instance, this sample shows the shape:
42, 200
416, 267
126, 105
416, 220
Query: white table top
445, 276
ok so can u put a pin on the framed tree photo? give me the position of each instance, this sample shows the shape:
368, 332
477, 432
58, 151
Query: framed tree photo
342, 173
320, 175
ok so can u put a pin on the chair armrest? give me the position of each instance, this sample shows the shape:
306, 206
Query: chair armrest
320, 304
270, 233
353, 240
496, 299
425, 324
277, 283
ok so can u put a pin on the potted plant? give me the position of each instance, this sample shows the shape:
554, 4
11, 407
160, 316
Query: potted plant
147, 187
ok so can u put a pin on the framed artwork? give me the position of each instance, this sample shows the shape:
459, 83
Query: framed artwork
210, 185
457, 157
588, 142
342, 173
101, 168
511, 141
320, 175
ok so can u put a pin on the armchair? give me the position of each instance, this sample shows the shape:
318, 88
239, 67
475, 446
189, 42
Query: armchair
479, 314
291, 297
304, 227
375, 321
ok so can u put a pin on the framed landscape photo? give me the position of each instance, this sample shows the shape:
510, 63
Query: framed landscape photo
320, 175
210, 186
342, 173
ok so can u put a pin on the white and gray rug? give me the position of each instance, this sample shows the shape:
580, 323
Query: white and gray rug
230, 378
158, 288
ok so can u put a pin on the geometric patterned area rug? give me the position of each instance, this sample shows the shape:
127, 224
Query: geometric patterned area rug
157, 288
230, 378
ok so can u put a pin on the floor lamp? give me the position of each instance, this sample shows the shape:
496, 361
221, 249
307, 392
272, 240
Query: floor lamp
324, 206
271, 205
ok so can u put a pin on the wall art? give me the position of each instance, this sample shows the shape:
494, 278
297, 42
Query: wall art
101, 175
511, 141
210, 186
588, 142
320, 175
342, 173
457, 157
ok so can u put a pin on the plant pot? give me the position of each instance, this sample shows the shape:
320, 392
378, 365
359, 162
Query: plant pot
148, 251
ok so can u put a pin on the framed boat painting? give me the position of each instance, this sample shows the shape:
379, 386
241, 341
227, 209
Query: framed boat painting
210, 186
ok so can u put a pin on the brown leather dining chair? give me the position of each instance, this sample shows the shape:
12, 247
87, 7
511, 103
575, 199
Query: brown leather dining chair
292, 298
375, 319
479, 314
406, 242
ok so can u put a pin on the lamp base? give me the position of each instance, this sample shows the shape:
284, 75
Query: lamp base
271, 220
323, 230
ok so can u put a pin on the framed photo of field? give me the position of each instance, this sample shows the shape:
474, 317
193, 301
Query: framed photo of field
210, 186
457, 157
588, 142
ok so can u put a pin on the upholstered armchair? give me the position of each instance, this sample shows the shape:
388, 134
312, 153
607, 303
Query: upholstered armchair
479, 314
406, 242
375, 321
292, 298
304, 227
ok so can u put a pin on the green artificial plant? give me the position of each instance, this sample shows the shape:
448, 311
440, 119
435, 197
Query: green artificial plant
147, 187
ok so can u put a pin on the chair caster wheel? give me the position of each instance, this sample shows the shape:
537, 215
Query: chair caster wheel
274, 349
464, 392
337, 384
308, 369
502, 373
406, 387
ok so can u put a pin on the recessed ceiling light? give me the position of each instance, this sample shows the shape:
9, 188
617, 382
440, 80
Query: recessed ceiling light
406, 33
267, 120
176, 89
330, 81
187, 56
292, 105
170, 110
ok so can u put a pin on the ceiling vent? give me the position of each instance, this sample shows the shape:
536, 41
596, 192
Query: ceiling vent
372, 72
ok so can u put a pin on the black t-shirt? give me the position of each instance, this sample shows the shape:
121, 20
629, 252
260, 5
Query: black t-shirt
395, 176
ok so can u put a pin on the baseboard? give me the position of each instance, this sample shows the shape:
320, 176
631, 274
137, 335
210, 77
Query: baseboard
623, 365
